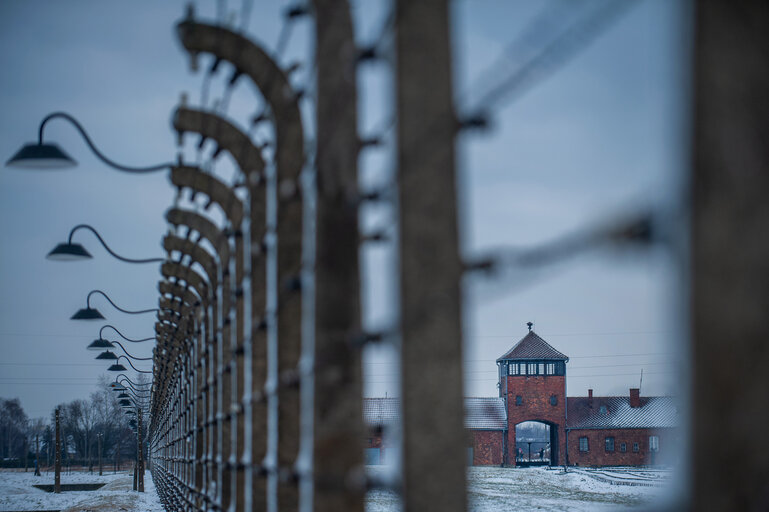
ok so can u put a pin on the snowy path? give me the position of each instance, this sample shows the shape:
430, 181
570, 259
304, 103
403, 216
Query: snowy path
493, 489
17, 493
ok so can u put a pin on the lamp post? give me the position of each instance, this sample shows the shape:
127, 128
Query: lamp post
51, 156
69, 251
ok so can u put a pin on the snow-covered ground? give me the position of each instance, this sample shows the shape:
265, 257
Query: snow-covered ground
492, 489
17, 493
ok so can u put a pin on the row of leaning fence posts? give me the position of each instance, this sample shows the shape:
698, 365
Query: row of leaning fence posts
257, 395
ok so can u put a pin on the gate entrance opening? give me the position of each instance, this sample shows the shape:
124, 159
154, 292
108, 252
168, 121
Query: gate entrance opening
536, 444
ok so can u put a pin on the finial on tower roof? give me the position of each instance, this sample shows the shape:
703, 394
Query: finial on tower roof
530, 325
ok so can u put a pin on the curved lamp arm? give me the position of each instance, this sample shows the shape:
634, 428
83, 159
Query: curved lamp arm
99, 154
131, 364
113, 253
137, 396
122, 335
124, 376
129, 355
88, 304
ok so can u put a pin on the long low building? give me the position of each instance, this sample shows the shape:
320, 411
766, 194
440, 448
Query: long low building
532, 422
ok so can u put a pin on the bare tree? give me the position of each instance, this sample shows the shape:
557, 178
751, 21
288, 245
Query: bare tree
13, 428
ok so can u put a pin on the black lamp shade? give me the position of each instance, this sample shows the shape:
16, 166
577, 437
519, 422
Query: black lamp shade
117, 368
87, 314
107, 355
125, 402
100, 344
118, 387
123, 395
41, 156
68, 252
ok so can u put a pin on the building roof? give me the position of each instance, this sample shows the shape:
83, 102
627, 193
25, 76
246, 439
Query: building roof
655, 412
480, 413
532, 346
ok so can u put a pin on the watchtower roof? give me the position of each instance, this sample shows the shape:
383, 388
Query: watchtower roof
532, 346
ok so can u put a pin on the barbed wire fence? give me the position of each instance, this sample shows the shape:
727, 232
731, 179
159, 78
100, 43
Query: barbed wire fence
257, 395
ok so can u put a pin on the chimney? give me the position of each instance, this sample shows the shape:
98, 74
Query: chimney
590, 398
635, 397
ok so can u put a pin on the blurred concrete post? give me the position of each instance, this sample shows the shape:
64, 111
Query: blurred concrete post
98, 437
730, 255
37, 454
431, 314
338, 418
57, 457
140, 454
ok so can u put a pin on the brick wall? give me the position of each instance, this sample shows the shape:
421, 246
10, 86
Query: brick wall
598, 456
535, 392
487, 447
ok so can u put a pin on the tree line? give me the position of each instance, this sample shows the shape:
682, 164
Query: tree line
24, 440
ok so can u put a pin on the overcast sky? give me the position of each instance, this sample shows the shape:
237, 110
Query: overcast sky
604, 135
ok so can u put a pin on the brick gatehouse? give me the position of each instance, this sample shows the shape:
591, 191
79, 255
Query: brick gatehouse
532, 422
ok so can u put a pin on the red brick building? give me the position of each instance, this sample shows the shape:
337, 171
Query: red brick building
532, 422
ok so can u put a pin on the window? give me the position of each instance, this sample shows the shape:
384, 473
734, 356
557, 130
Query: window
541, 368
513, 369
623, 447
583, 447
518, 400
602, 409
635, 447
654, 443
532, 369
553, 400
523, 368
609, 444
550, 369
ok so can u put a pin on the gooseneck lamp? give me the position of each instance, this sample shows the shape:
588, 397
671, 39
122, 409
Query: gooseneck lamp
89, 313
117, 367
51, 156
101, 343
129, 355
69, 251
130, 382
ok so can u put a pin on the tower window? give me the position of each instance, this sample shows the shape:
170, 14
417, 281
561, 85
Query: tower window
553, 400
550, 369
609, 444
541, 368
513, 369
532, 370
518, 400
583, 446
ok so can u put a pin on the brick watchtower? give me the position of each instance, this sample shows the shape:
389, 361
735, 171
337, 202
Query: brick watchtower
532, 379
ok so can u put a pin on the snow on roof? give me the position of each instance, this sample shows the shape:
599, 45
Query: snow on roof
532, 346
480, 413
655, 412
